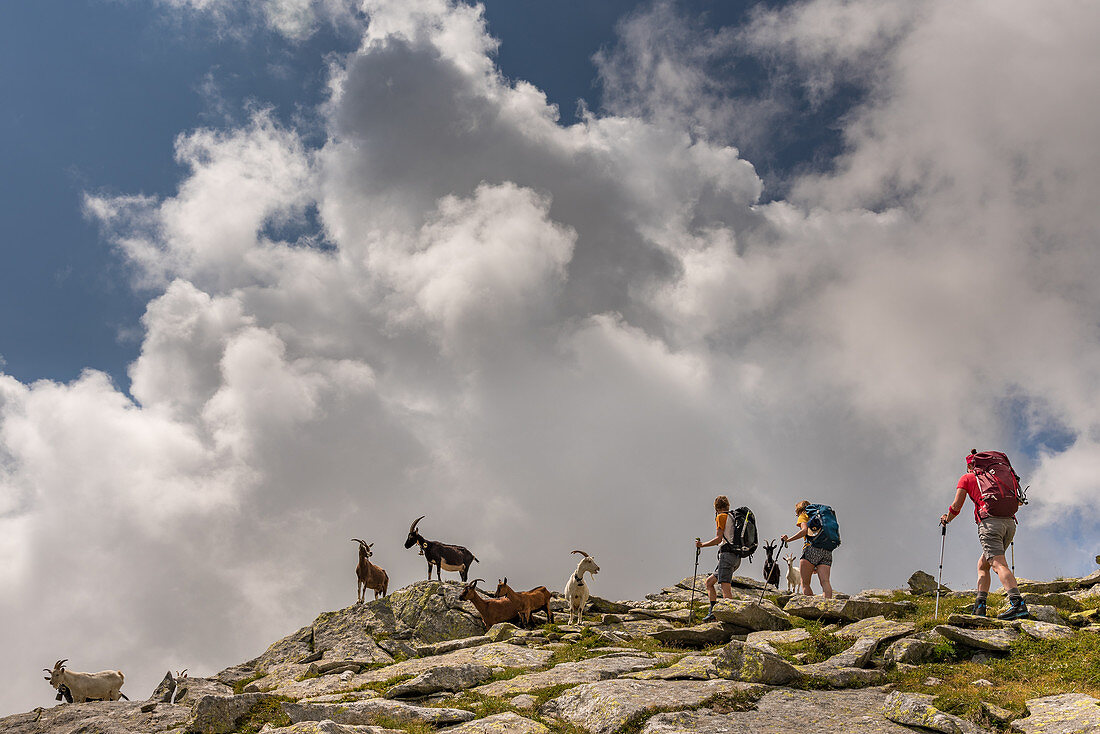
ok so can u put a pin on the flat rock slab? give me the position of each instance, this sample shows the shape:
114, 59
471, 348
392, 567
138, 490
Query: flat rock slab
1043, 630
103, 717
752, 615
582, 671
636, 628
974, 621
1069, 713
691, 667
742, 662
444, 678
764, 640
1048, 587
604, 707
506, 723
329, 727
910, 650
785, 710
365, 712
856, 656
700, 635
878, 628
994, 640
916, 709
838, 677
842, 610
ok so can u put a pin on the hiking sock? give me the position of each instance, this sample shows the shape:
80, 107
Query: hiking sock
1014, 597
980, 603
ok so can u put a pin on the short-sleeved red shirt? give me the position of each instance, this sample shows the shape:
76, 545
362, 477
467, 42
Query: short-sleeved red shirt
969, 482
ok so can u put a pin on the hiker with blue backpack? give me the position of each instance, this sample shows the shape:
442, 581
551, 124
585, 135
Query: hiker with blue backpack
994, 487
818, 525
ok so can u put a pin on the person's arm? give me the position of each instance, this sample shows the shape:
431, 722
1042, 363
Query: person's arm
955, 508
800, 534
713, 541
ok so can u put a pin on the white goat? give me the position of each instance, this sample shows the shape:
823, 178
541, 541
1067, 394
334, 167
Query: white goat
794, 580
103, 685
576, 591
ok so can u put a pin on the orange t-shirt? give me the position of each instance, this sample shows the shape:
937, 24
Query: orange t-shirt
720, 524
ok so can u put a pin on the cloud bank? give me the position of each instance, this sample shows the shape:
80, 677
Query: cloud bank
547, 337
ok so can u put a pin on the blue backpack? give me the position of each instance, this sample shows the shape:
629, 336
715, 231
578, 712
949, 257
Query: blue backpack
824, 529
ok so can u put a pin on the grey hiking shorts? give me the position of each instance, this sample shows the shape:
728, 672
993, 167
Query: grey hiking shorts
727, 564
994, 534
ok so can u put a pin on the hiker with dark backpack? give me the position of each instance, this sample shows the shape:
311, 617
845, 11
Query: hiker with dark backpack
994, 487
735, 536
818, 525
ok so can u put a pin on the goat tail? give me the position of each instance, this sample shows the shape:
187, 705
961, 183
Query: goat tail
122, 695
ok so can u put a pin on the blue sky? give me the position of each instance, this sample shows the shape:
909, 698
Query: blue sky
276, 275
97, 92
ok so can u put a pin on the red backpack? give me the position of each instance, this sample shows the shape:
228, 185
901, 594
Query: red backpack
998, 484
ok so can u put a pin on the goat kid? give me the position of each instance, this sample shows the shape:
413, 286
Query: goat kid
492, 611
441, 555
794, 580
537, 599
576, 591
104, 685
771, 567
368, 575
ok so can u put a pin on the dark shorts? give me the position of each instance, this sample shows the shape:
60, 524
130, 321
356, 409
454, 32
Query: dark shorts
727, 564
995, 534
817, 556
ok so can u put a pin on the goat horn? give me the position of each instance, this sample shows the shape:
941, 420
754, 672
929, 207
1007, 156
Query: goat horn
356, 540
412, 528
579, 551
47, 670
474, 582
61, 663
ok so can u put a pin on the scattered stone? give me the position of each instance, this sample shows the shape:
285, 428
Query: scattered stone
1088, 581
786, 710
524, 702
506, 723
327, 727
916, 709
1058, 601
994, 640
690, 667
766, 638
1047, 587
501, 631
974, 621
751, 616
742, 662
604, 707
997, 714
575, 673
1043, 630
443, 678
909, 651
442, 648
932, 681
843, 610
219, 714
856, 656
878, 628
1044, 613
701, 635
982, 682
365, 712
1068, 713
612, 619
840, 677
922, 582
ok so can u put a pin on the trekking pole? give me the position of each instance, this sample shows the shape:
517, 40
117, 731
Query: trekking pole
939, 582
1012, 549
765, 588
694, 583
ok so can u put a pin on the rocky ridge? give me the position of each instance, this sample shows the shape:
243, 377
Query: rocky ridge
420, 660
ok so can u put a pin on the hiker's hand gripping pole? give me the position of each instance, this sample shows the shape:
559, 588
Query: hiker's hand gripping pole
939, 581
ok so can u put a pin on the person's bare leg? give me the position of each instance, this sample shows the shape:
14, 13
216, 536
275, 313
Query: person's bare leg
983, 574
806, 570
1004, 573
727, 591
711, 593
826, 587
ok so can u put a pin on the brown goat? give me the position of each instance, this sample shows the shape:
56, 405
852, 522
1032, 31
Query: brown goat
527, 601
492, 611
368, 575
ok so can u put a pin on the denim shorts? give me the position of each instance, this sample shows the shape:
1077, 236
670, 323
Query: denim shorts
727, 564
995, 534
817, 556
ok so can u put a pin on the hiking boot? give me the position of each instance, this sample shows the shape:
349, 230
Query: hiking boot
979, 608
711, 618
1015, 610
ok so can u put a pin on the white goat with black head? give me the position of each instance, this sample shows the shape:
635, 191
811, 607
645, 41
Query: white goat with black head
104, 685
576, 591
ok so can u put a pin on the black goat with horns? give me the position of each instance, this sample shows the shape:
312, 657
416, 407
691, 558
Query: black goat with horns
441, 555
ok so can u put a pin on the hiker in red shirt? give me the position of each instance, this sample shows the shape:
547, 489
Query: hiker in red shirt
995, 534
